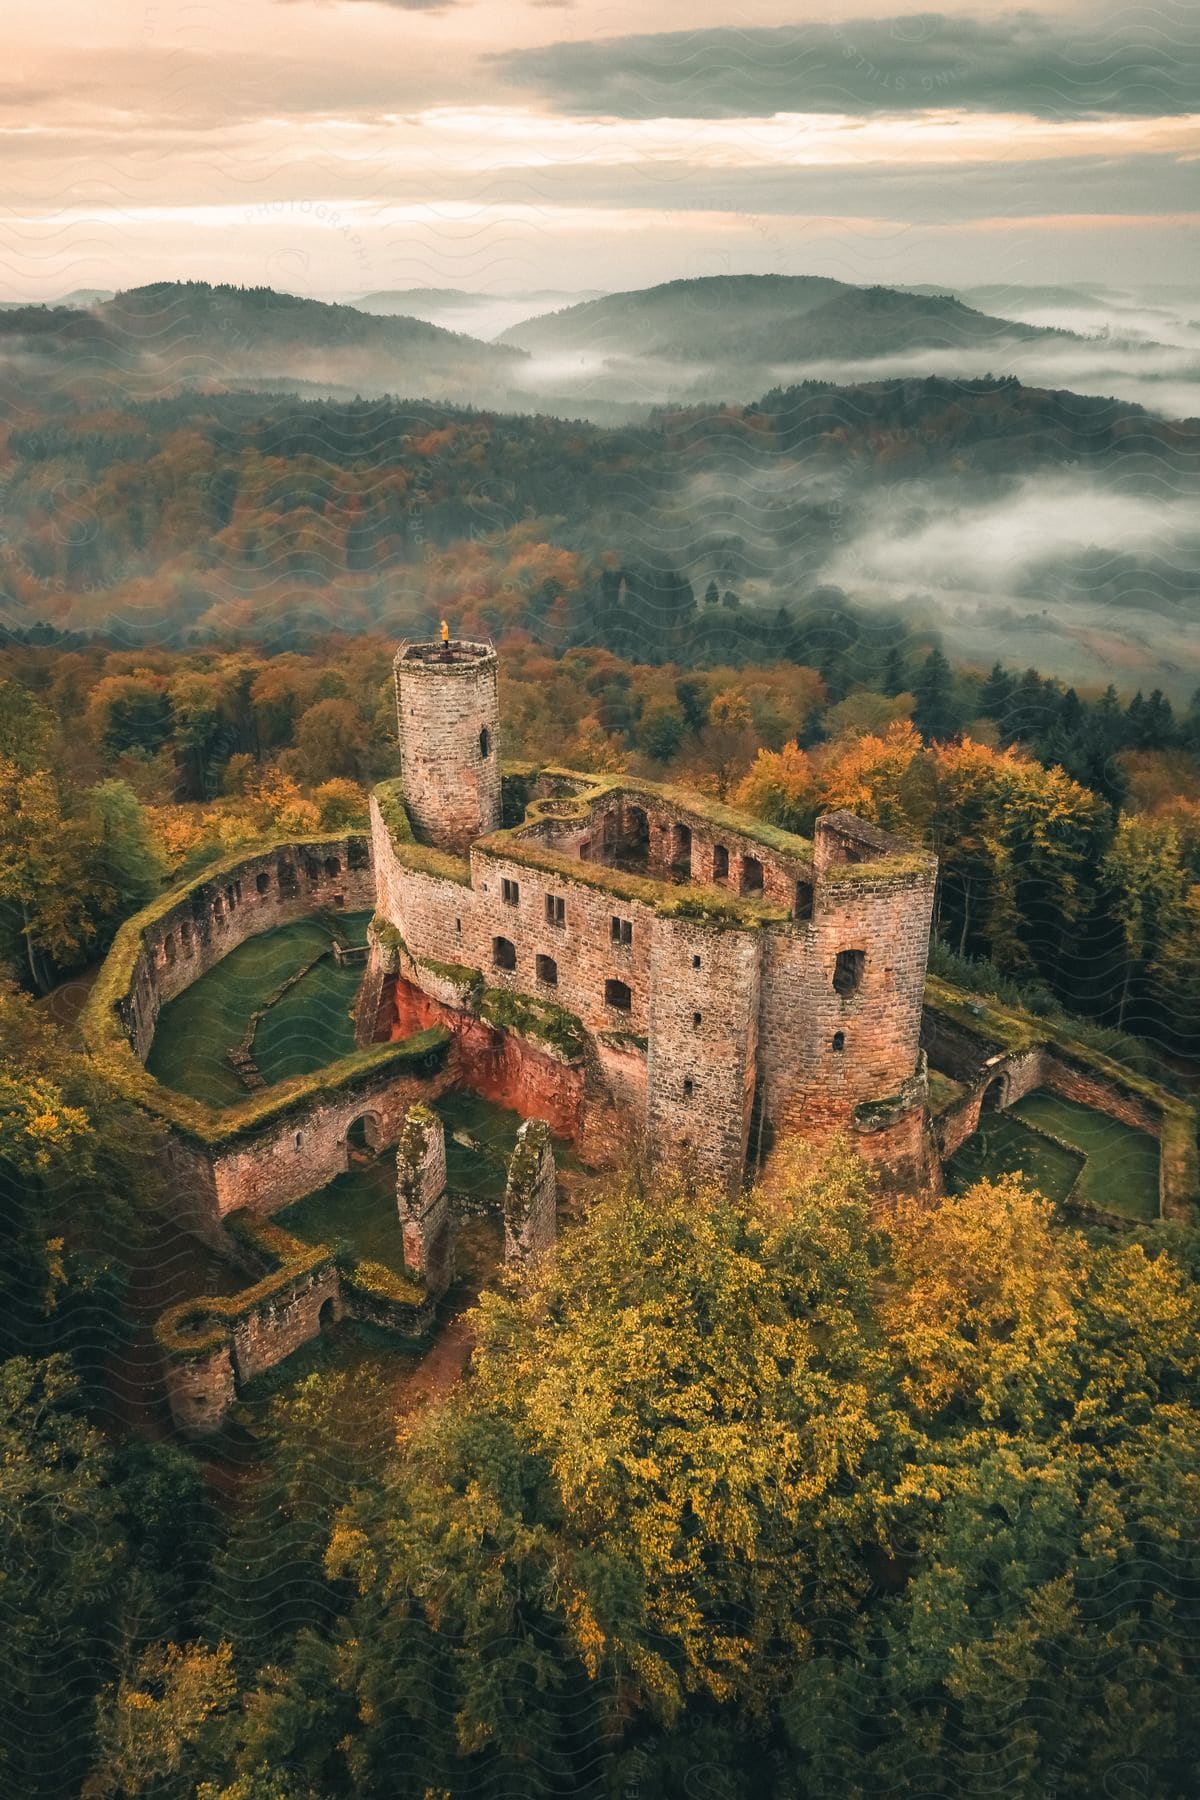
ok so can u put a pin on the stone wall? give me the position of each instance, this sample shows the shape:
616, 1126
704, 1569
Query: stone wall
1007, 1078
215, 915
530, 1197
496, 1064
725, 1006
638, 828
447, 714
702, 1060
280, 1325
293, 1156
213, 1348
422, 1204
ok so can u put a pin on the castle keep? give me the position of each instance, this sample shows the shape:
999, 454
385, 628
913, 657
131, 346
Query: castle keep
665, 964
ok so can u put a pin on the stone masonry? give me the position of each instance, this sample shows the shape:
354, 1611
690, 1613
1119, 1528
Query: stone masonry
422, 1203
733, 981
447, 720
530, 1197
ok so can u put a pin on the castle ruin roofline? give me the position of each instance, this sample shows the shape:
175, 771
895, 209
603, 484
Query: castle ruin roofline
579, 795
436, 657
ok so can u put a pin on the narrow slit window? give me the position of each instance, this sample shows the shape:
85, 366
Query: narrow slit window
839, 1040
696, 1021
689, 1087
485, 743
803, 909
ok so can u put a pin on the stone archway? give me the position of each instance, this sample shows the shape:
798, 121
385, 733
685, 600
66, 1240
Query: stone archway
327, 1315
364, 1136
995, 1095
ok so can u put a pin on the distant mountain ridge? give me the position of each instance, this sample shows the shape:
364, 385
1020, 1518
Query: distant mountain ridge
766, 319
167, 335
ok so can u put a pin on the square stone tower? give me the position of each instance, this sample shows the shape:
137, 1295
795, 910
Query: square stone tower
447, 717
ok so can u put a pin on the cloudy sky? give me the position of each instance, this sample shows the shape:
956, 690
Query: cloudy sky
336, 147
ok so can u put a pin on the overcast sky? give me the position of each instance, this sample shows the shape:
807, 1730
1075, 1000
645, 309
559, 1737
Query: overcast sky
335, 147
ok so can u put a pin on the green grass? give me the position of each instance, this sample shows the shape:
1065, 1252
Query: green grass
480, 1137
308, 1027
1003, 1146
1121, 1172
359, 1206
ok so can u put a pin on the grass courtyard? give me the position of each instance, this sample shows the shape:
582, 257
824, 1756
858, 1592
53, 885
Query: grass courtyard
1121, 1171
1107, 1163
309, 1026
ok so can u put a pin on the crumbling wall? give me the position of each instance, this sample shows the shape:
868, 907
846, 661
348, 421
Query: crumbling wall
219, 912
530, 1196
422, 1203
295, 1155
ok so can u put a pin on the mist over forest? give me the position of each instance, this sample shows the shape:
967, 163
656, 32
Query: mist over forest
674, 403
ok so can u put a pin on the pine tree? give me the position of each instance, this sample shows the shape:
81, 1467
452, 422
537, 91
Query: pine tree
938, 712
895, 675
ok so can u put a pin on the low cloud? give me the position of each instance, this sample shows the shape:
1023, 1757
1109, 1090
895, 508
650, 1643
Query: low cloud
1126, 63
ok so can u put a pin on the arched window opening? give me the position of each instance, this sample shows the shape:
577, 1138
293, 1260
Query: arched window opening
839, 1040
681, 851
720, 862
504, 953
803, 910
547, 970
485, 743
848, 972
262, 882
618, 994
332, 866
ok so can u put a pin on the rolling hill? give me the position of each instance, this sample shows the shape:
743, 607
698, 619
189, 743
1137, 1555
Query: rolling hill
766, 319
172, 335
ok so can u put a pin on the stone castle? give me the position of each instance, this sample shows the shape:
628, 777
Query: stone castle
661, 964
617, 961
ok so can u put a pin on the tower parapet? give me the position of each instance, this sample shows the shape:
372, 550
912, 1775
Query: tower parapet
447, 717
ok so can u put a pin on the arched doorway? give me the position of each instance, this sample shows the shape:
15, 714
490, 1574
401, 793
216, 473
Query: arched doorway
995, 1095
327, 1317
363, 1138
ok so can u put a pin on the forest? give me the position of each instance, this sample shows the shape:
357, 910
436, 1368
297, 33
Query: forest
791, 1494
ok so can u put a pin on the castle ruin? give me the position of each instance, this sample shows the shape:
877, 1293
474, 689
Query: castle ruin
697, 976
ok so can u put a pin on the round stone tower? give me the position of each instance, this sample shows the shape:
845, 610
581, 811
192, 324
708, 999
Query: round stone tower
447, 713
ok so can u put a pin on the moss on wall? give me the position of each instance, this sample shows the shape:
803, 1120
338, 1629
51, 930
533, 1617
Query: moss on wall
539, 1020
